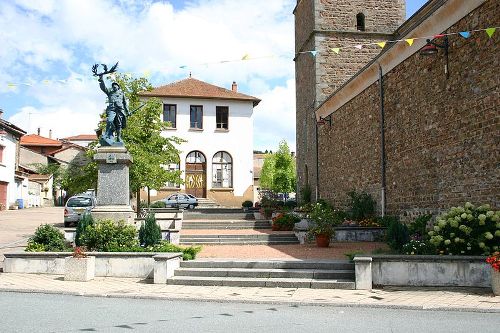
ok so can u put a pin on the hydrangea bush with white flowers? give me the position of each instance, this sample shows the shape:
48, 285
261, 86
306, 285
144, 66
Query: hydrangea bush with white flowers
467, 230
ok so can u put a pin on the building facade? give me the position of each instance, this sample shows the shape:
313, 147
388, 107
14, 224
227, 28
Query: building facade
217, 158
321, 26
420, 132
13, 182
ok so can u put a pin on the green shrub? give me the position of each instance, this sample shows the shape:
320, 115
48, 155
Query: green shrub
247, 204
158, 204
48, 236
419, 227
188, 253
305, 194
385, 221
397, 235
467, 230
361, 205
150, 232
285, 221
81, 226
106, 235
290, 204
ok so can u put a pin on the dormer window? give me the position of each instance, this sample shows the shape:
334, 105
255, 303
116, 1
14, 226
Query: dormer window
360, 22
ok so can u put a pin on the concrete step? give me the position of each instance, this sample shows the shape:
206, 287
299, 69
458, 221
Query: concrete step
261, 239
270, 264
262, 282
229, 224
239, 242
268, 273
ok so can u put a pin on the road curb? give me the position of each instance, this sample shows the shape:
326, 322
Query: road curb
251, 301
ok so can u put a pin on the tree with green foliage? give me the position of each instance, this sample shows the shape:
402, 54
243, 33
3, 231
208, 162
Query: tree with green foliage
278, 171
150, 232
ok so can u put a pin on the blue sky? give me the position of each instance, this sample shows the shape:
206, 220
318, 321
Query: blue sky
49, 46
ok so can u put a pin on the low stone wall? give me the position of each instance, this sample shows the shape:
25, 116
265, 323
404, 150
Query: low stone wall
359, 234
110, 264
425, 271
343, 234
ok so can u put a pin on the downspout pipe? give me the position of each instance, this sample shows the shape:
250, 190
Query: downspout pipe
317, 161
382, 142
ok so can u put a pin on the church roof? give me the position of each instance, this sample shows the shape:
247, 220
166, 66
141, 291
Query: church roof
194, 88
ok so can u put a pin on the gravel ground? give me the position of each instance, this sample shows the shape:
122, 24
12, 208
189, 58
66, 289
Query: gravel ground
295, 251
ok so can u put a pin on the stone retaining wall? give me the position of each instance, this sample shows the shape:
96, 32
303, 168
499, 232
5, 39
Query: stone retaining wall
425, 271
107, 264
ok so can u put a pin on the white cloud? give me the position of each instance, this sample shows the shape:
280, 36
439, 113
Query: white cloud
156, 37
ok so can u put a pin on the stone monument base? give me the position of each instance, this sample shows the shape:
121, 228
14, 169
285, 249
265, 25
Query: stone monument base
115, 213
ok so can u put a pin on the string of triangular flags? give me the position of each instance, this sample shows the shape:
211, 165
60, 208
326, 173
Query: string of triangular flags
464, 34
409, 41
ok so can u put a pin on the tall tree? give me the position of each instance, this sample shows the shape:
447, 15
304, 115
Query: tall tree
278, 170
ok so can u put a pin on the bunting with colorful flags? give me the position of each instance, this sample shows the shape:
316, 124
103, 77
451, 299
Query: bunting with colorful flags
247, 57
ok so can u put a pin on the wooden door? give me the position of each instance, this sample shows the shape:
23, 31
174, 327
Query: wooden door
3, 195
196, 179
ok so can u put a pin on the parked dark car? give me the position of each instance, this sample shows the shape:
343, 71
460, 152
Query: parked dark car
76, 207
181, 200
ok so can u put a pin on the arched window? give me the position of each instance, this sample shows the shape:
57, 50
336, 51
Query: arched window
360, 22
222, 170
195, 157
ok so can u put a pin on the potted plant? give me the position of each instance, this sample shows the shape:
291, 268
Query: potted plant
79, 266
246, 205
323, 223
494, 261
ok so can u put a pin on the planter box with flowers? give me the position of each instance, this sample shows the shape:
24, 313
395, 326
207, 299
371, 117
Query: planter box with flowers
284, 221
79, 266
494, 261
365, 230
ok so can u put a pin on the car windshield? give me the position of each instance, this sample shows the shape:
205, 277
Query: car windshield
79, 202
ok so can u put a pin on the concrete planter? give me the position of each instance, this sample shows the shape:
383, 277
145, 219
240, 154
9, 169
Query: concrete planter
79, 269
495, 282
107, 264
426, 271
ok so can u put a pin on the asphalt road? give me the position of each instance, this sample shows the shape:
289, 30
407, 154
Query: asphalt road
61, 313
16, 226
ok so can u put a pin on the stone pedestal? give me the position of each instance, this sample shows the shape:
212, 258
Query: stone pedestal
363, 270
113, 194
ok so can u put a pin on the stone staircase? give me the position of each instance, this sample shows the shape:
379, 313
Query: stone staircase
207, 203
319, 274
199, 225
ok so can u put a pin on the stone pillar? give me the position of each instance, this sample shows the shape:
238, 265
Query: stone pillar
363, 268
113, 193
165, 266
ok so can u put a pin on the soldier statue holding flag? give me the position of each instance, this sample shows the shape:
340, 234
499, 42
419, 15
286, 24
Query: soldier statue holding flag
116, 111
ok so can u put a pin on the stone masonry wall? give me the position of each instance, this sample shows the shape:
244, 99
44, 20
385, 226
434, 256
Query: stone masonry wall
321, 25
383, 16
442, 134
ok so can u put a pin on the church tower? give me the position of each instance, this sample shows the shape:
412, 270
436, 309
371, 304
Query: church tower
323, 25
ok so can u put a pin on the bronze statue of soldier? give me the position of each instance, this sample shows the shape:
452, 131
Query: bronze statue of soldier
116, 111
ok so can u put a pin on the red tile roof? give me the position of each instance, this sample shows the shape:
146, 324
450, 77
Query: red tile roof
81, 137
198, 89
37, 140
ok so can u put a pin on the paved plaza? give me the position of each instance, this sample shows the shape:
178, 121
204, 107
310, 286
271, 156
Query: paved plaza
17, 226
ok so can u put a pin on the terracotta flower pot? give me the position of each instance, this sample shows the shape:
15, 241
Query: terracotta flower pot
495, 281
323, 240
